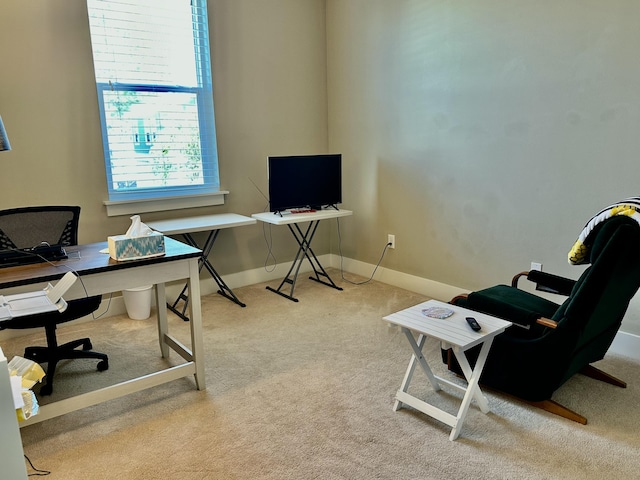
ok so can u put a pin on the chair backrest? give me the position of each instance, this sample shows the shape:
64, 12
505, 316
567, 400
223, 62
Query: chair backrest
28, 227
591, 316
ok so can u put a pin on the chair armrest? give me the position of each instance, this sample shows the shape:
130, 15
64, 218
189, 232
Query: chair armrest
519, 316
517, 306
546, 282
459, 299
518, 276
547, 322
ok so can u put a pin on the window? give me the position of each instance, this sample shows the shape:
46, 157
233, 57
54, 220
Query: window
153, 75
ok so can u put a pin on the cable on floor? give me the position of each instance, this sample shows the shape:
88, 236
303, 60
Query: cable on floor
384, 250
36, 471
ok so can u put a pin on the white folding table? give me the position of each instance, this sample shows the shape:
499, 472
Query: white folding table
452, 332
303, 238
204, 223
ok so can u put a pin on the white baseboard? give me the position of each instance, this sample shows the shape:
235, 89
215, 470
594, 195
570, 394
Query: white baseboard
430, 288
115, 305
626, 344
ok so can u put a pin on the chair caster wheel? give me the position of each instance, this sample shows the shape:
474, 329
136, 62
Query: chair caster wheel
46, 389
103, 365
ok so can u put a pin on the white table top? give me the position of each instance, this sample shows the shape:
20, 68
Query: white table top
454, 329
201, 223
276, 219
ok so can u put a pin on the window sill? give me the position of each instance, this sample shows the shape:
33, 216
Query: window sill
129, 207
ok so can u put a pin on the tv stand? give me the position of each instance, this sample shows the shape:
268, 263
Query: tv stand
304, 239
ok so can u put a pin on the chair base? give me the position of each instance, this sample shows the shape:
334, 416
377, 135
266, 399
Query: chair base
554, 407
68, 351
597, 374
549, 405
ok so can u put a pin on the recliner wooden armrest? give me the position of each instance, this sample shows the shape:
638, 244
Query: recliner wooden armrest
547, 322
546, 282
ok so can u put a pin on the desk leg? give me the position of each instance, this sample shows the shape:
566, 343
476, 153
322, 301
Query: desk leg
473, 388
174, 306
195, 311
161, 314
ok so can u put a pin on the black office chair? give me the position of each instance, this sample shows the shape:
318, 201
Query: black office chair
27, 227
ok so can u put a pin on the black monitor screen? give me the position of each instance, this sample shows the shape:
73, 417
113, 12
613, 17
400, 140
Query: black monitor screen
304, 181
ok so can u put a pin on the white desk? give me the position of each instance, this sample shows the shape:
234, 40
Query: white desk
455, 333
204, 223
100, 274
292, 220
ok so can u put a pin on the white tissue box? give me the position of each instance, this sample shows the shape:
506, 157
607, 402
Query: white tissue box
122, 247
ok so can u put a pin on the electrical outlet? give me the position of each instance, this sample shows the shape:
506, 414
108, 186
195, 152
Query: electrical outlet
536, 266
391, 241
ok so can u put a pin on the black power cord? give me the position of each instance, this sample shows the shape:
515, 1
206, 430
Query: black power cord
269, 241
68, 268
36, 471
384, 251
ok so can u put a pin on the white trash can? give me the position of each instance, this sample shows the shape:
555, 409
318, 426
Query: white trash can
138, 302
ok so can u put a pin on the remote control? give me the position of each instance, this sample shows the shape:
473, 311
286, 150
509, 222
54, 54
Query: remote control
473, 323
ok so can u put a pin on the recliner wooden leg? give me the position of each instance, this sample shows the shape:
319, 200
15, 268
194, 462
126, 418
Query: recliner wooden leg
593, 372
557, 409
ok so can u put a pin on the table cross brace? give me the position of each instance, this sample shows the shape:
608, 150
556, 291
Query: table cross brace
472, 391
304, 251
203, 262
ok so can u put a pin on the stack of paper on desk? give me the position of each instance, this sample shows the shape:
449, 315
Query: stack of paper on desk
47, 300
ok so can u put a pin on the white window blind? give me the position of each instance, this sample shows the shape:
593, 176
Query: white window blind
153, 75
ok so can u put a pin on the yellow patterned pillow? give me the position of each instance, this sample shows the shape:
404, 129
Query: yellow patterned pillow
579, 253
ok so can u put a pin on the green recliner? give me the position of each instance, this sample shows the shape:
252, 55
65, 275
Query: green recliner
550, 342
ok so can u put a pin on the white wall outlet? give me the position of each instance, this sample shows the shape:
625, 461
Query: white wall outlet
391, 241
536, 266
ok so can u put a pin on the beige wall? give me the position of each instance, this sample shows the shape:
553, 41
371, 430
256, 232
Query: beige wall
483, 134
269, 61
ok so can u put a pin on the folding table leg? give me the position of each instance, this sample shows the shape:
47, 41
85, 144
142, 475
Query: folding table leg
223, 288
304, 241
416, 358
203, 262
473, 388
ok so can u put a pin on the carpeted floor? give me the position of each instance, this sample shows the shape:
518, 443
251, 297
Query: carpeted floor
305, 391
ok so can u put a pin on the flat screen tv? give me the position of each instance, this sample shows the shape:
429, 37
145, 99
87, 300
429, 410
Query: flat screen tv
304, 181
